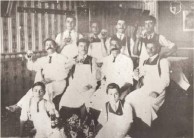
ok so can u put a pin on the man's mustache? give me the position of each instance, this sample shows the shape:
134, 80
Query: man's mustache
49, 48
114, 49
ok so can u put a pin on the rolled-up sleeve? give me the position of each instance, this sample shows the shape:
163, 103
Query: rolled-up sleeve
34, 66
165, 42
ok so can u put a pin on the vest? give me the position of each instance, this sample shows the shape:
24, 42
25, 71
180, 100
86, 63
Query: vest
124, 42
87, 60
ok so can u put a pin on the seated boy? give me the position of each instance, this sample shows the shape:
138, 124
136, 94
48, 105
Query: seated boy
37, 109
115, 118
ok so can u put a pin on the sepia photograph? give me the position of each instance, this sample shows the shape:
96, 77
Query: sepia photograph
96, 68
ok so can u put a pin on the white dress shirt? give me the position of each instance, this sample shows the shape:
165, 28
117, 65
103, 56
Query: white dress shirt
120, 71
54, 71
70, 50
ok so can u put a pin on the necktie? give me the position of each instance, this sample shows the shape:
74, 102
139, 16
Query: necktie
69, 34
114, 59
50, 58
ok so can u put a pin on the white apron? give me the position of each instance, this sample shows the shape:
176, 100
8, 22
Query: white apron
115, 127
145, 106
75, 96
41, 121
95, 50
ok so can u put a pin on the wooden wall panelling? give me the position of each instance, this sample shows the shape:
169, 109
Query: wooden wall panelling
43, 23
53, 20
5, 35
25, 20
46, 5
1, 35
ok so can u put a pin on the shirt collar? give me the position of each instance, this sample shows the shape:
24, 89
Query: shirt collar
53, 54
153, 57
84, 56
120, 36
116, 56
149, 36
67, 31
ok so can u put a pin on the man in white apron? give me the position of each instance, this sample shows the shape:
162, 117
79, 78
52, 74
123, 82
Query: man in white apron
67, 39
154, 74
98, 41
51, 69
117, 68
82, 82
149, 33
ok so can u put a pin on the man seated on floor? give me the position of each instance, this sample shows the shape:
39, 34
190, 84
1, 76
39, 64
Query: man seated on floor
82, 82
154, 78
117, 68
52, 70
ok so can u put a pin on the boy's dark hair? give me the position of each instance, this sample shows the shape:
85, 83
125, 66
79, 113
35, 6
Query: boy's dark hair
39, 84
83, 40
113, 86
71, 16
150, 17
115, 39
50, 39
96, 21
153, 41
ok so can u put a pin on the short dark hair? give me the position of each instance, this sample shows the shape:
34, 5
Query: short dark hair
115, 39
49, 39
113, 86
84, 41
122, 18
96, 21
152, 41
150, 17
71, 16
39, 83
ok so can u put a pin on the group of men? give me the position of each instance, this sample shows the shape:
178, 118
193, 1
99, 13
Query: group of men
80, 69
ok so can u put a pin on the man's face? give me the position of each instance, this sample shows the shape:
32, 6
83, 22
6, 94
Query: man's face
70, 23
82, 48
38, 92
95, 28
149, 26
114, 47
50, 47
121, 26
113, 96
152, 49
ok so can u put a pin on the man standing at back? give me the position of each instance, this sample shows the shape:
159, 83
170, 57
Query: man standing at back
67, 39
150, 34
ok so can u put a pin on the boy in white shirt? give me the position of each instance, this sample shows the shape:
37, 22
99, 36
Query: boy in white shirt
37, 110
